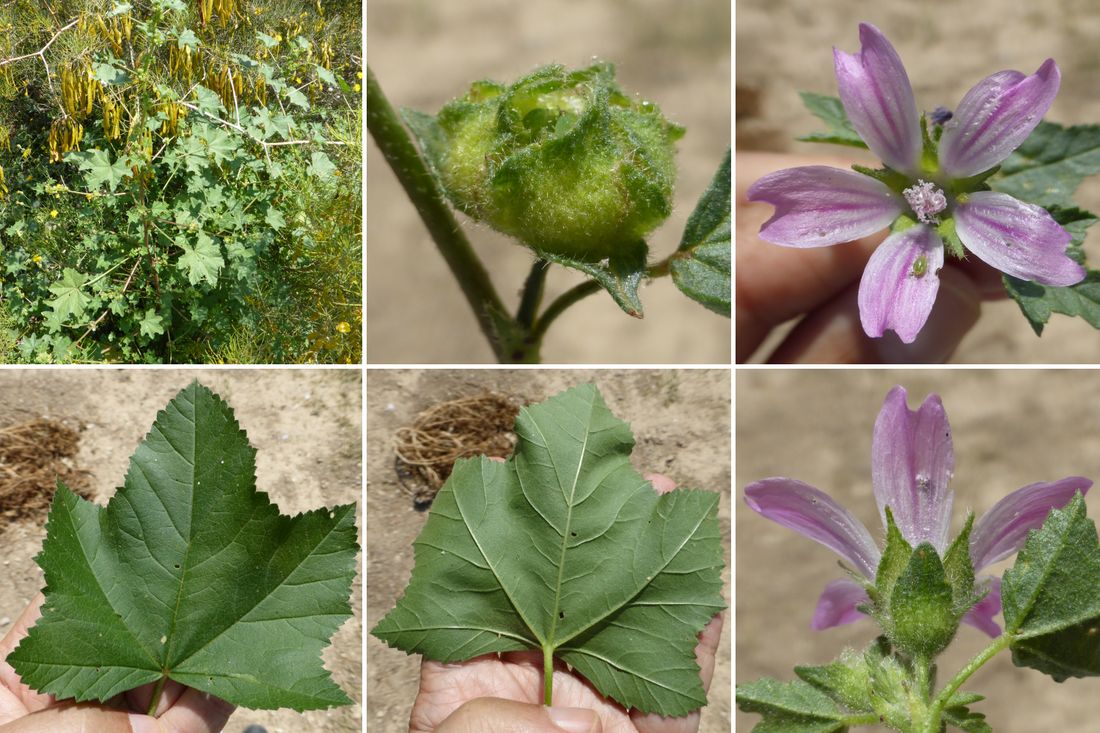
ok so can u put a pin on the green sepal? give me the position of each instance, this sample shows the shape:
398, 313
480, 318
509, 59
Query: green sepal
921, 616
846, 680
895, 558
897, 182
1051, 599
951, 241
973, 183
929, 157
959, 570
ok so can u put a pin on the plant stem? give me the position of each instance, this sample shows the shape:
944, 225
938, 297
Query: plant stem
156, 695
392, 139
532, 294
936, 709
547, 676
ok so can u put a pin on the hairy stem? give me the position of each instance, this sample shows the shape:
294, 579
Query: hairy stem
532, 294
940, 702
392, 139
156, 695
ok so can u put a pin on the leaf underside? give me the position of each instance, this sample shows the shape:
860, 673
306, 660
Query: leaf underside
701, 267
620, 276
613, 578
189, 573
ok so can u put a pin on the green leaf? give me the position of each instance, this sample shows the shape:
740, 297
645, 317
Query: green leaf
847, 680
191, 574
152, 325
110, 75
791, 707
963, 718
701, 266
615, 580
1050, 598
208, 101
98, 168
201, 262
830, 110
1050, 165
320, 166
71, 300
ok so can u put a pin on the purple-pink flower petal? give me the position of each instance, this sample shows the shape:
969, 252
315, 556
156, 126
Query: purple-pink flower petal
816, 206
837, 604
1017, 238
1002, 530
995, 117
912, 461
899, 284
981, 615
814, 514
879, 99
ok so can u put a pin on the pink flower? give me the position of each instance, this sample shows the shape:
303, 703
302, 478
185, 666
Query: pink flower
912, 461
927, 195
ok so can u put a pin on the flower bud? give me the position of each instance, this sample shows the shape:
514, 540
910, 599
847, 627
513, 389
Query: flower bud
562, 160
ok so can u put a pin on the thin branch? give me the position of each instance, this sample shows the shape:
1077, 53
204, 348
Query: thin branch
41, 53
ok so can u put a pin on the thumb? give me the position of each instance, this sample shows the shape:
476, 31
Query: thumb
495, 715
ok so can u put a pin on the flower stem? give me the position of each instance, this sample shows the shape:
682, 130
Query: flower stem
547, 676
392, 139
156, 695
940, 702
532, 294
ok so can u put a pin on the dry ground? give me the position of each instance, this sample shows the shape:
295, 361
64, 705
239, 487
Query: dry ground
680, 421
304, 424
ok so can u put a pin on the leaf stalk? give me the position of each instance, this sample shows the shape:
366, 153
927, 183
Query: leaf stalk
156, 696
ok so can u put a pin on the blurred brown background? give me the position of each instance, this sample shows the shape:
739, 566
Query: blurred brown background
681, 425
1010, 428
426, 52
785, 46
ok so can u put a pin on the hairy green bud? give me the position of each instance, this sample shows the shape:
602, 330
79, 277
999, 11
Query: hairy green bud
562, 160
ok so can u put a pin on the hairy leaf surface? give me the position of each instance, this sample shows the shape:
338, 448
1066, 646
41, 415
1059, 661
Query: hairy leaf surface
566, 549
189, 573
701, 266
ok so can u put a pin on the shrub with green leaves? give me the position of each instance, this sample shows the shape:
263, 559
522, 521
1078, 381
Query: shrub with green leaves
182, 180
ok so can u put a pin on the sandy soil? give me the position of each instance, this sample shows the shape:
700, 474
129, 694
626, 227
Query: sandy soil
680, 420
784, 46
1010, 429
306, 426
426, 52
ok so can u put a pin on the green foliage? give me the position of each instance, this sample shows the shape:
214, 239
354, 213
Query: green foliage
830, 110
616, 581
189, 173
1050, 598
792, 707
191, 574
1051, 164
701, 266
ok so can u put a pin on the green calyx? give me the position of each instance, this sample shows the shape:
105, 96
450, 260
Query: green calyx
562, 160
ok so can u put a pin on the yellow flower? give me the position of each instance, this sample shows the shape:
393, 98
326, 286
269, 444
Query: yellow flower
359, 75
53, 214
343, 327
36, 259
357, 88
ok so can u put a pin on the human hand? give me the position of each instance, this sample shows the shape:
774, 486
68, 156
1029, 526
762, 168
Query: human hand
22, 710
498, 693
776, 284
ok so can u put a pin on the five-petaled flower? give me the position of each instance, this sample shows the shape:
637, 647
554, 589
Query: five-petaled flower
932, 190
912, 461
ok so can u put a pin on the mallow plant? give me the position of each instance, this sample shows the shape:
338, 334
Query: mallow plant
573, 168
988, 178
921, 584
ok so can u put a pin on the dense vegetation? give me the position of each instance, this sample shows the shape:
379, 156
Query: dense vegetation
180, 181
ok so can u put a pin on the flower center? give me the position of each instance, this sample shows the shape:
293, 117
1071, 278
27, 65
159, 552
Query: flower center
926, 201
